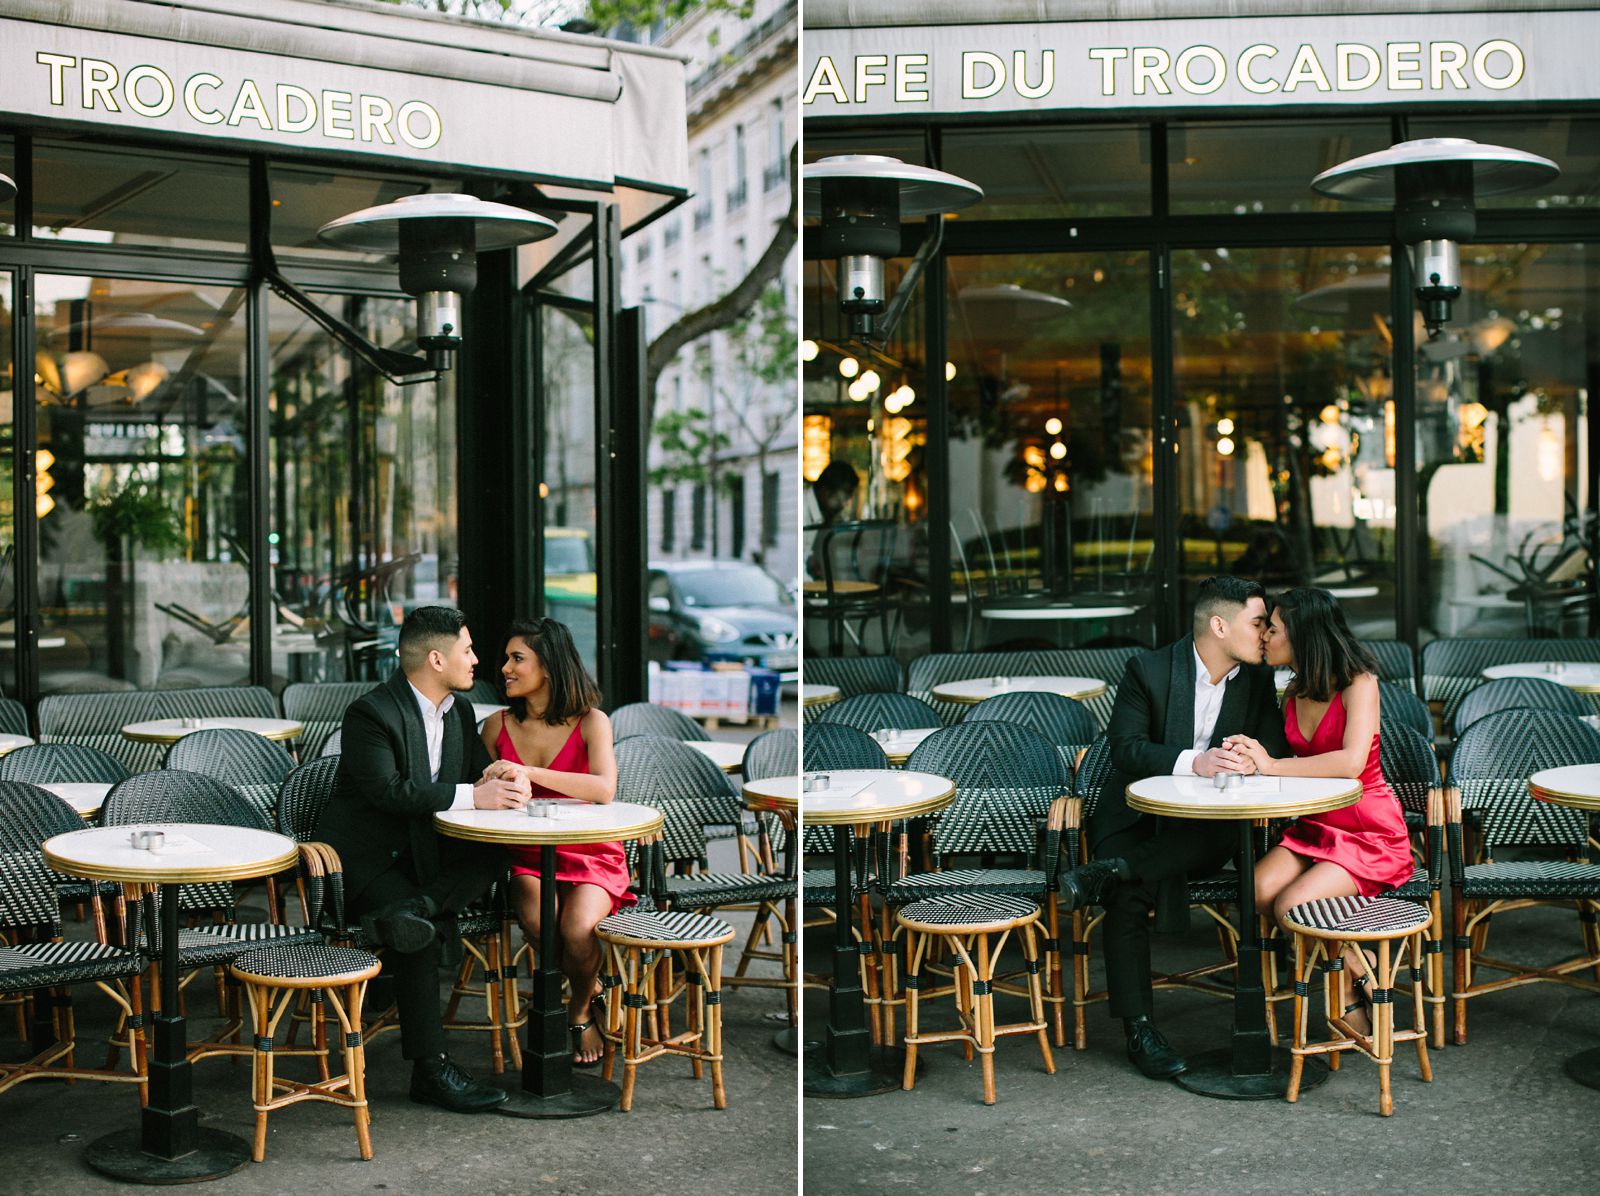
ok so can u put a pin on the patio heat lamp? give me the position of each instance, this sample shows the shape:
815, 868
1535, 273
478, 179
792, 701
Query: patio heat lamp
1433, 184
861, 200
437, 238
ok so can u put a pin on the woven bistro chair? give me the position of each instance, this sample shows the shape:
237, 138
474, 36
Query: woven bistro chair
777, 754
1211, 894
852, 675
643, 718
636, 943
693, 793
1011, 795
1451, 667
333, 745
96, 720
56, 763
38, 966
874, 712
273, 979
13, 717
485, 929
166, 796
1321, 929
1398, 705
975, 928
1062, 721
249, 763
319, 707
938, 667
1488, 776
772, 754
1513, 693
1397, 664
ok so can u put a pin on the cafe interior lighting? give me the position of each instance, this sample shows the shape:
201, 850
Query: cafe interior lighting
437, 237
1057, 450
1225, 446
849, 367
1433, 184
1224, 426
870, 380
809, 350
949, 371
860, 200
1052, 426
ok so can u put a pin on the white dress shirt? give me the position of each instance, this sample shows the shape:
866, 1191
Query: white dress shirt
1207, 705
433, 727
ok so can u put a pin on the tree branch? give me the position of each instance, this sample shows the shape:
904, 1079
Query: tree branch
733, 306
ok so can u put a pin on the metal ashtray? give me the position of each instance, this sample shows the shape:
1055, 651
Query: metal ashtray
541, 808
147, 840
1227, 780
817, 782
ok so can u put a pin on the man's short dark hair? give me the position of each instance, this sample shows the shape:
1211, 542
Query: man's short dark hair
1223, 596
837, 475
428, 629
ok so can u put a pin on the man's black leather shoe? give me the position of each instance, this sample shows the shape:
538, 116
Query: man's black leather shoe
1149, 1051
1088, 884
405, 926
438, 1081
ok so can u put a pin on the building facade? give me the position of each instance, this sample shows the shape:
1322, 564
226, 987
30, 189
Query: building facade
1152, 353
739, 500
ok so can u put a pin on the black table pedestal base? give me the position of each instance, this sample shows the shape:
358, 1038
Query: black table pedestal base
787, 1041
1585, 1068
1211, 1074
884, 1073
120, 1156
587, 1096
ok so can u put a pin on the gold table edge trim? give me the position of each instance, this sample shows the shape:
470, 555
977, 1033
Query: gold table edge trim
201, 876
479, 835
1079, 696
926, 805
1574, 801
277, 736
1239, 813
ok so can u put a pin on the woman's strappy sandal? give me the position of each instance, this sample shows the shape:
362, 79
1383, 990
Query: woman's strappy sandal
577, 1029
1362, 987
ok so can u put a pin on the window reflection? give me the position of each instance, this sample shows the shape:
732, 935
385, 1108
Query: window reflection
1286, 422
1241, 169
8, 542
567, 491
1097, 170
140, 389
363, 493
8, 207
1502, 445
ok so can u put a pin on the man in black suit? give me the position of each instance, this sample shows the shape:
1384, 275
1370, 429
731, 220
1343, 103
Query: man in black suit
1175, 709
409, 750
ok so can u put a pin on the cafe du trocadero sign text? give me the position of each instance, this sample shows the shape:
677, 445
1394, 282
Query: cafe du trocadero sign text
1357, 59
151, 86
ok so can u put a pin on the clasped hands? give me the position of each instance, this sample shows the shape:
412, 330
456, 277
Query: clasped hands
503, 786
1238, 753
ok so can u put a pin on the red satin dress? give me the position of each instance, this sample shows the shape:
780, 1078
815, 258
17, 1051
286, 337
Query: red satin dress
602, 864
1368, 840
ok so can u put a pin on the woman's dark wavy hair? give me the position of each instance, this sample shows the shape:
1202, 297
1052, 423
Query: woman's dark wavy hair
573, 693
1327, 656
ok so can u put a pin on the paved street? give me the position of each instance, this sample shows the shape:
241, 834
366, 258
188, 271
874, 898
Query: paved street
1500, 1116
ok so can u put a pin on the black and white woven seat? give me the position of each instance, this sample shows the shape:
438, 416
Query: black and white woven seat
990, 910
936, 668
311, 960
1321, 930
852, 675
966, 925
1489, 772
207, 946
1451, 667
1018, 882
661, 927
1513, 693
35, 956
644, 718
711, 890
58, 763
1357, 918
25, 966
1221, 889
874, 712
319, 707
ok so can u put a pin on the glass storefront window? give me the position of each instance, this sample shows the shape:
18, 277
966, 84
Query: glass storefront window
118, 196
140, 388
8, 207
1503, 404
908, 147
1572, 142
363, 493
1041, 173
8, 540
303, 200
568, 503
1286, 424
1243, 168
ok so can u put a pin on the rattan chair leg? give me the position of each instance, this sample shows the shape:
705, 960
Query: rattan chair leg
1461, 962
983, 994
355, 1064
694, 1004
791, 959
1036, 1002
1297, 1060
915, 945
1080, 980
637, 976
1418, 1022
260, 1068
712, 1040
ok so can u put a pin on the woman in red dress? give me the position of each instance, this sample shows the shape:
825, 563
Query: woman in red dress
1331, 723
555, 735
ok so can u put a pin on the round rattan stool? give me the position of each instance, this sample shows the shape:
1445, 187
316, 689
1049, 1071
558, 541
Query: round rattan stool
272, 980
638, 943
976, 929
1321, 929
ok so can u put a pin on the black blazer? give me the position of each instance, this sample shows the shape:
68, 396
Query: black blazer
381, 813
1152, 722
